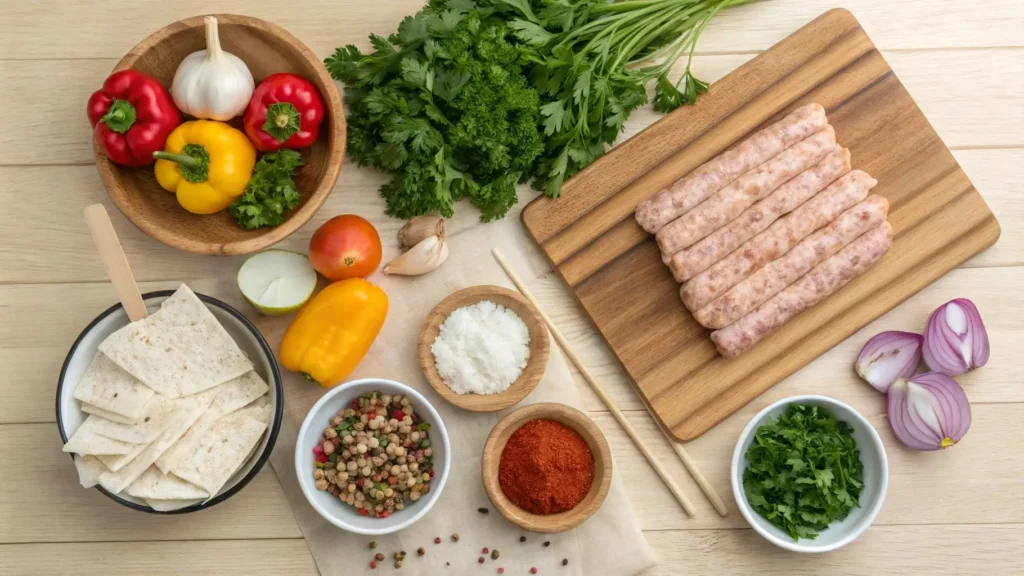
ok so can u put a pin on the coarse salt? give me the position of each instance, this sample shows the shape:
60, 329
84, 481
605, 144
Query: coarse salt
481, 348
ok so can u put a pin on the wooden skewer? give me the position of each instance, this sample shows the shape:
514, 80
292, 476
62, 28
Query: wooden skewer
109, 248
619, 416
691, 467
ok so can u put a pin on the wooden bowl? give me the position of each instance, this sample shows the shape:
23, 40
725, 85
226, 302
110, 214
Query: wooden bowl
539, 348
585, 427
266, 49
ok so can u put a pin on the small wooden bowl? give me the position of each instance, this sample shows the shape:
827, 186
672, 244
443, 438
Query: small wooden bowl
265, 48
585, 427
527, 381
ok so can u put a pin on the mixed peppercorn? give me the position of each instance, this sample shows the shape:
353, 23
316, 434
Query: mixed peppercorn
375, 455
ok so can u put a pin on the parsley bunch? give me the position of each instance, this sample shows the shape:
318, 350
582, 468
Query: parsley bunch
270, 191
470, 97
445, 106
804, 471
594, 59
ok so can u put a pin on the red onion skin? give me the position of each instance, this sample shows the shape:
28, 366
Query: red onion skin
941, 349
890, 343
951, 410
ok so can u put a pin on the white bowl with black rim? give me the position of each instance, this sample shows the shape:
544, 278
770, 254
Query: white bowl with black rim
70, 415
876, 478
331, 507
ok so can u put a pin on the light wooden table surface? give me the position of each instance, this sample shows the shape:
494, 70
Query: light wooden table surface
959, 511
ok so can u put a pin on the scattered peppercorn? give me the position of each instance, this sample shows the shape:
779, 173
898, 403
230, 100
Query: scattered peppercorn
565, 561
373, 544
483, 510
379, 556
495, 554
437, 540
522, 538
398, 556
398, 563
533, 570
455, 537
480, 560
501, 570
547, 543
485, 550
420, 551
373, 564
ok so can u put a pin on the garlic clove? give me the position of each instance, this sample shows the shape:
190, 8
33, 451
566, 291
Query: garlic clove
421, 258
419, 229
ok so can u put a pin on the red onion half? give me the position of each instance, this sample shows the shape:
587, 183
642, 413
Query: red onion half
929, 411
955, 340
889, 356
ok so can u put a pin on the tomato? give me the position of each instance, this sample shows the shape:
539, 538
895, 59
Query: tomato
345, 246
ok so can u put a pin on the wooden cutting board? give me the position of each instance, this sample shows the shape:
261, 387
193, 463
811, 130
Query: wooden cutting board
614, 268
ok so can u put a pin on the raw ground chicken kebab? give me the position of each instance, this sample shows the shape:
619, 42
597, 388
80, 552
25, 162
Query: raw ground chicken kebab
768, 229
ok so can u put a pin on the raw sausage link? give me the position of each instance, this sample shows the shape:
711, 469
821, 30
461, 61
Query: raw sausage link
732, 200
813, 287
780, 273
716, 173
688, 263
777, 239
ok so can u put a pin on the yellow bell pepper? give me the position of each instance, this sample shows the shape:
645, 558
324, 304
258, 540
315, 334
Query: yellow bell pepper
333, 331
207, 165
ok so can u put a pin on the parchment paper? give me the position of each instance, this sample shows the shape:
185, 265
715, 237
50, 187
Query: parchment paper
610, 543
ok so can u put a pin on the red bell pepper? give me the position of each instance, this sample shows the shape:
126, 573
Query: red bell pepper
285, 111
132, 115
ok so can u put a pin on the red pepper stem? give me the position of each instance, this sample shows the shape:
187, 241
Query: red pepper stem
120, 116
183, 159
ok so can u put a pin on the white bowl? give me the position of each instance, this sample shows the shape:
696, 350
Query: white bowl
244, 333
333, 509
876, 478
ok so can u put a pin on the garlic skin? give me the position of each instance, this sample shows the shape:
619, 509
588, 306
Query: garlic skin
419, 229
212, 84
421, 258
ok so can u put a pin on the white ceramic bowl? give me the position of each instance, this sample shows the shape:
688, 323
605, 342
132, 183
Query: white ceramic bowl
876, 478
330, 507
244, 333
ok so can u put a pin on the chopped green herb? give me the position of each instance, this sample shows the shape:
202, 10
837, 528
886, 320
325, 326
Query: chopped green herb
804, 471
270, 191
423, 426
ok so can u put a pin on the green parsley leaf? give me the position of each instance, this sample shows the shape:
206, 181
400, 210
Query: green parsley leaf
270, 192
803, 471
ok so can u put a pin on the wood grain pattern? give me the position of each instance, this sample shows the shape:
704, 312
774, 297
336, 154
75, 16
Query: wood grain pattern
591, 434
954, 512
540, 348
196, 558
615, 270
266, 49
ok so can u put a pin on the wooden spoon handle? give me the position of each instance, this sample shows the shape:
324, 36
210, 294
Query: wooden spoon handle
114, 260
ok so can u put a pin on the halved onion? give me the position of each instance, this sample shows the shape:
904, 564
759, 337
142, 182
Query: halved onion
955, 340
889, 356
929, 411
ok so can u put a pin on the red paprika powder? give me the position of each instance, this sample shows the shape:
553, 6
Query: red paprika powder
546, 467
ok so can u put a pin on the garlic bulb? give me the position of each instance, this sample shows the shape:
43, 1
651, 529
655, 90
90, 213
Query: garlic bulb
212, 84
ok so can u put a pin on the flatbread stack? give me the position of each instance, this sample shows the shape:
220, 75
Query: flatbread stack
174, 408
